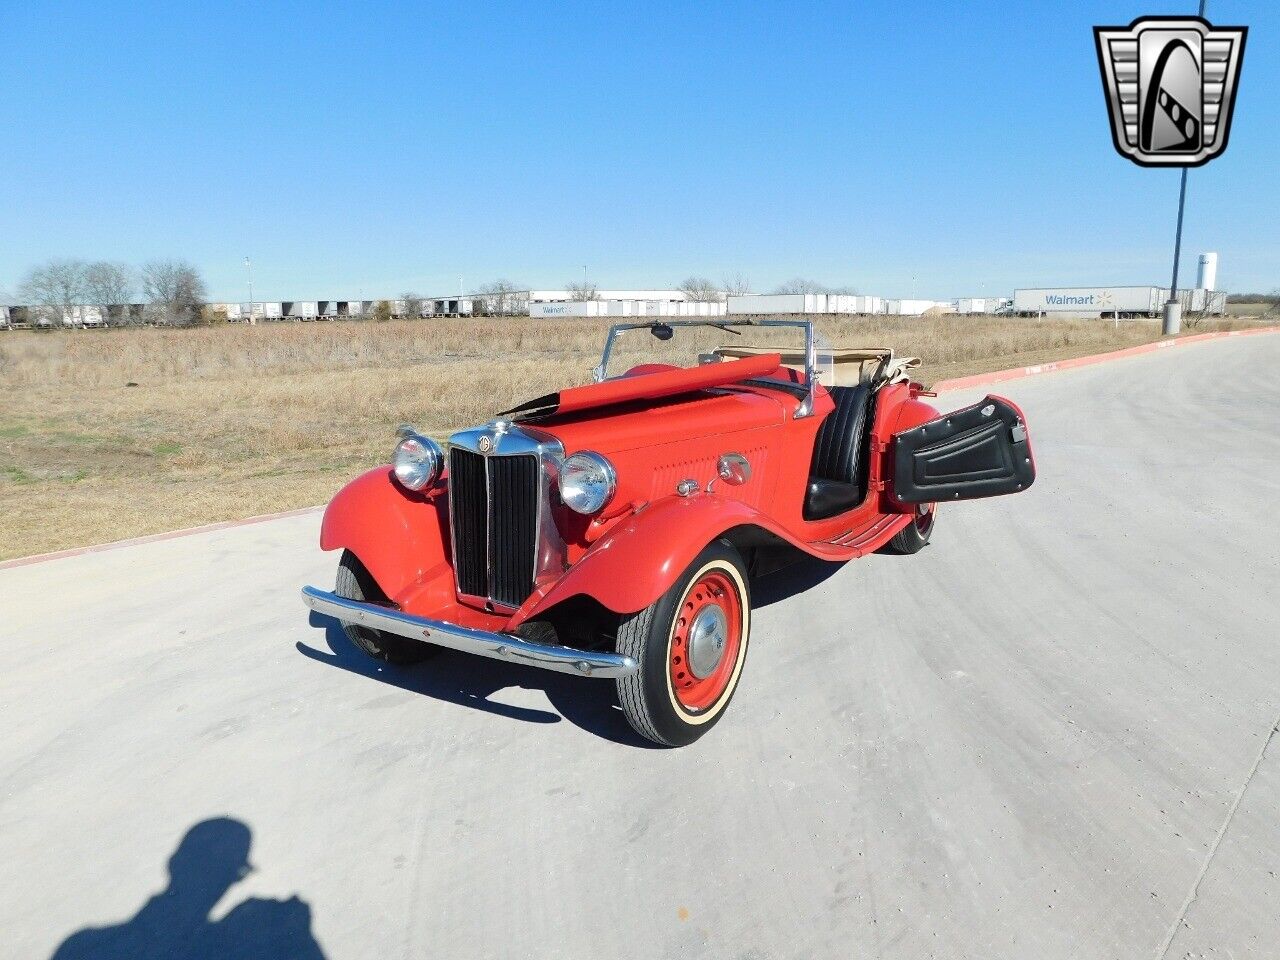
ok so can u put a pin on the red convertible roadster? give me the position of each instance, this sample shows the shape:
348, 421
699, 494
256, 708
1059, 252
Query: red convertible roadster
613, 530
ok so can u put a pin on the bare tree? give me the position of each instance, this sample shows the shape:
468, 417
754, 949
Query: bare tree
55, 289
107, 285
175, 291
800, 285
736, 285
583, 291
412, 305
502, 297
699, 289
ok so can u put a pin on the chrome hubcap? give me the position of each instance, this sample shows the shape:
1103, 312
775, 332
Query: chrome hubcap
707, 638
924, 519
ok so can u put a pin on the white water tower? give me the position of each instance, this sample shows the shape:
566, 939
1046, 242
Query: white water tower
1207, 276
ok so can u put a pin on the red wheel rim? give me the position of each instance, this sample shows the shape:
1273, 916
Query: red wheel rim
712, 601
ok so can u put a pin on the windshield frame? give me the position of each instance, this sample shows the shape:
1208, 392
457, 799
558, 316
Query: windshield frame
805, 409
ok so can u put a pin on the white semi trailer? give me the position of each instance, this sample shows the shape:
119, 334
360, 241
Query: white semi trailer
778, 303
1091, 301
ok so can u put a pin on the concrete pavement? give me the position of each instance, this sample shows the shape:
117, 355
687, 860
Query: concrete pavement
1041, 737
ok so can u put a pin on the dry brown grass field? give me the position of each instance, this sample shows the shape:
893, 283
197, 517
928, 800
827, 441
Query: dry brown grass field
113, 434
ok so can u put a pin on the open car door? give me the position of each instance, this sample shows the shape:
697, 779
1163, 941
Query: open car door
980, 451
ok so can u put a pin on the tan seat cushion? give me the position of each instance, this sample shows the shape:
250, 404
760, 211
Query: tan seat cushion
851, 366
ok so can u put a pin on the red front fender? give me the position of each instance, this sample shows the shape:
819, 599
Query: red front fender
400, 537
641, 557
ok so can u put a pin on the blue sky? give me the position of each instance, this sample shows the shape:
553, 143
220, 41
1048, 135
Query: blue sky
372, 148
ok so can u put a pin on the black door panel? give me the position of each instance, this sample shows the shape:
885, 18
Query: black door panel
980, 451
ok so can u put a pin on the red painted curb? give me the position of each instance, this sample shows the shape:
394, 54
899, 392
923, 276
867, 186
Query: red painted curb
1017, 373
154, 537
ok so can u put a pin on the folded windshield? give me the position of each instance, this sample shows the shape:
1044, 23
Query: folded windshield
633, 347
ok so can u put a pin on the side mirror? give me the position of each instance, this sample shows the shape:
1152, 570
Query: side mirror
734, 468
662, 331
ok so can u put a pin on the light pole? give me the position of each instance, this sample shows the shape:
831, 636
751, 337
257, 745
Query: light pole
1172, 321
249, 266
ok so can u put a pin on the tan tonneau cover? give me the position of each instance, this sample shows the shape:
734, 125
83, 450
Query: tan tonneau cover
851, 365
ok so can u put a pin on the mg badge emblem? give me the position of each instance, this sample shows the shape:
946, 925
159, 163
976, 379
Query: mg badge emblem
1170, 84
486, 444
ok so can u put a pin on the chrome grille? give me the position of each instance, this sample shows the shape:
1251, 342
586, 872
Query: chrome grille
502, 532
468, 505
513, 527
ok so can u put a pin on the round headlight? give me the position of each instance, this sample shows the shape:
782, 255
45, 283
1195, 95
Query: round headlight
587, 482
417, 461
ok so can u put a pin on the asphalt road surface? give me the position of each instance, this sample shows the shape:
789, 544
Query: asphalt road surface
1044, 736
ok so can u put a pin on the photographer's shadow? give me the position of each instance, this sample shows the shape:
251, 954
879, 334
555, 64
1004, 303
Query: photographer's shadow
472, 681
212, 857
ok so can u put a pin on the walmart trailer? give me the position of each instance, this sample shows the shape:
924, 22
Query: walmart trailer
1091, 301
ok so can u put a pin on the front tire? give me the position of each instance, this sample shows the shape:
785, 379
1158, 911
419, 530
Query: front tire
690, 645
914, 537
355, 583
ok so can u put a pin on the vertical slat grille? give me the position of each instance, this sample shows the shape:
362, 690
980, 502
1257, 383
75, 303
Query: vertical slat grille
494, 503
468, 506
513, 527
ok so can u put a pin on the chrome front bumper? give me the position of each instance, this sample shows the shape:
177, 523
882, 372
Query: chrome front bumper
486, 643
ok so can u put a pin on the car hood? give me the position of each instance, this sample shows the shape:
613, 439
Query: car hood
658, 421
652, 383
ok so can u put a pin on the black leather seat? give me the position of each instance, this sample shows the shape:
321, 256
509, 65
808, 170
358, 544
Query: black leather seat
838, 472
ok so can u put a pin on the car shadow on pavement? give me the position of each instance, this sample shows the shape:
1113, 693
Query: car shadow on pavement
786, 583
471, 681
211, 858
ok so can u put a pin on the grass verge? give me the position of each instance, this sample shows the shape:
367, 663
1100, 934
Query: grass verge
115, 434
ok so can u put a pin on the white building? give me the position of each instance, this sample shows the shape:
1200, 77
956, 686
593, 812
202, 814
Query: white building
530, 302
522, 302
628, 308
567, 296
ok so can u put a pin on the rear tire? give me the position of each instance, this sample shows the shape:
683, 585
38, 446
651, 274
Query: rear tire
690, 645
914, 537
355, 583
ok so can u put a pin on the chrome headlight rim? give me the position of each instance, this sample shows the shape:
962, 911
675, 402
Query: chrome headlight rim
417, 461
583, 500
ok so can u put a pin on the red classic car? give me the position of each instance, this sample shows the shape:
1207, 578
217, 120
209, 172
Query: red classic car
613, 530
